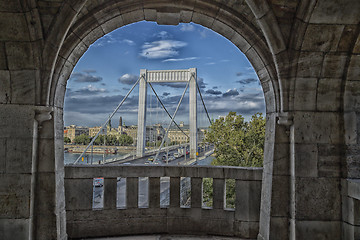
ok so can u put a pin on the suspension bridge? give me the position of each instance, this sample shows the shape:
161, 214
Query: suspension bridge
146, 80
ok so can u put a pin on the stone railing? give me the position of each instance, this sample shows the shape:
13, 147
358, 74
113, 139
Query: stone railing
351, 208
86, 219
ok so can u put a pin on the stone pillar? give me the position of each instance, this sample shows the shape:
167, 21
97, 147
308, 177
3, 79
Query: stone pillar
32, 202
193, 113
275, 199
49, 199
141, 135
315, 167
16, 163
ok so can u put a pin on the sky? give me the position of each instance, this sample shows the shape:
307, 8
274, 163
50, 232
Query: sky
111, 66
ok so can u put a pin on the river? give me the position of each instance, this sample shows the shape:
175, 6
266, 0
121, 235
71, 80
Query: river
71, 157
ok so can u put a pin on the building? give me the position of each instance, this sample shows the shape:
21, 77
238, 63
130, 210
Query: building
72, 131
153, 133
94, 130
129, 130
176, 135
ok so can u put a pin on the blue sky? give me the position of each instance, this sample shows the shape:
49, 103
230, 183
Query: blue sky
112, 64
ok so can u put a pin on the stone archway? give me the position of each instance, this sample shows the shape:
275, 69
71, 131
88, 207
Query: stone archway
238, 29
306, 54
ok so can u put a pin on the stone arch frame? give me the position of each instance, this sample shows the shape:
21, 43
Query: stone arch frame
260, 40
266, 53
86, 30
32, 87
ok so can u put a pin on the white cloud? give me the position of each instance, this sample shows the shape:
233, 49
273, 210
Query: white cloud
91, 88
187, 28
111, 38
87, 91
105, 40
231, 92
203, 33
128, 79
180, 59
129, 42
85, 77
161, 49
163, 35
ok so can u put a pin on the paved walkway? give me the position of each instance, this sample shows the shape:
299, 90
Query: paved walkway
167, 237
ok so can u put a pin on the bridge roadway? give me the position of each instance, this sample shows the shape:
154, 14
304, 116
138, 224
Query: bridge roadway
129, 158
143, 182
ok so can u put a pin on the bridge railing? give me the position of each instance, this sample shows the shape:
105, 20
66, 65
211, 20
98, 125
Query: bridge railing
83, 220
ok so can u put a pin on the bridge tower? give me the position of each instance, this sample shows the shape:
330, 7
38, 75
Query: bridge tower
160, 76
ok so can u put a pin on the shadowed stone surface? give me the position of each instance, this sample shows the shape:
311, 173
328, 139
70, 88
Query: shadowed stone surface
307, 57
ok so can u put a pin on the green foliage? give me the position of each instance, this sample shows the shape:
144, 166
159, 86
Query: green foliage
152, 144
99, 140
238, 143
125, 140
82, 139
230, 193
67, 140
174, 143
111, 140
208, 191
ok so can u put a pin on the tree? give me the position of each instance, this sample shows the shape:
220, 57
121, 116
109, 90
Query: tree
238, 143
67, 140
111, 140
99, 140
125, 140
82, 139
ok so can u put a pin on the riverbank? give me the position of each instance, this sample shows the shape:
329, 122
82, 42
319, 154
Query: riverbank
98, 149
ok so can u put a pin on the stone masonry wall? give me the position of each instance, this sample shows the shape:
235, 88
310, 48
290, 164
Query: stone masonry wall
306, 54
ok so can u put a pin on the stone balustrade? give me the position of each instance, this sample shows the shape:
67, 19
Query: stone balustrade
83, 220
351, 208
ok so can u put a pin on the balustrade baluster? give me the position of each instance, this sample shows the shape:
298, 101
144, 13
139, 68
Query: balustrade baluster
110, 186
175, 192
241, 200
132, 192
196, 192
154, 192
218, 193
81, 213
79, 194
247, 203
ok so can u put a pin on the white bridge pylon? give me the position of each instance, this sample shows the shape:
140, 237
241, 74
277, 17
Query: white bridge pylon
169, 76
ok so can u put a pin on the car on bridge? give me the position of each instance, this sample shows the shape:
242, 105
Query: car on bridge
98, 182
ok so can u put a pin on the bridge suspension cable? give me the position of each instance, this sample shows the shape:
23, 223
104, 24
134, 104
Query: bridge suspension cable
202, 100
166, 109
172, 120
107, 120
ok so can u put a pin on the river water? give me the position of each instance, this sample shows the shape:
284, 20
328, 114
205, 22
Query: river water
71, 157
